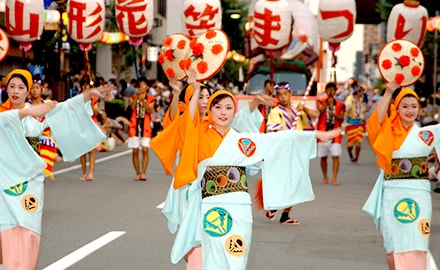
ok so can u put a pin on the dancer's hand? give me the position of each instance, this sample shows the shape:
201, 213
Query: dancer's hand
101, 92
327, 135
39, 110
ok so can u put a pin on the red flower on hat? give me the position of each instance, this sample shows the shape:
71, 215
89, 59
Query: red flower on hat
170, 73
169, 55
396, 47
161, 58
181, 44
414, 52
167, 41
185, 63
415, 71
202, 67
387, 64
210, 34
216, 49
399, 78
404, 61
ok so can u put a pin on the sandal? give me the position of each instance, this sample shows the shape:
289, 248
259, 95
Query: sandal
270, 214
291, 222
83, 178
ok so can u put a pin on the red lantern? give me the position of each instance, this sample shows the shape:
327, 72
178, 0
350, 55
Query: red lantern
336, 21
24, 21
86, 21
272, 24
407, 21
135, 18
202, 15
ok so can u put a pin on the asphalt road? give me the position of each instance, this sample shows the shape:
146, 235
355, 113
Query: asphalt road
113, 222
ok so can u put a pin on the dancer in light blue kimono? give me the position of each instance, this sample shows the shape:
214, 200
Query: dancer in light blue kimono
400, 202
216, 160
21, 168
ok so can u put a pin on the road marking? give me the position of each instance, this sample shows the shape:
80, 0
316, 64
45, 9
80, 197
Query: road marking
97, 161
84, 251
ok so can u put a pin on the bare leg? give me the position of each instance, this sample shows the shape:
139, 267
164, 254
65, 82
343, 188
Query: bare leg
335, 170
92, 160
83, 161
144, 162
324, 170
135, 159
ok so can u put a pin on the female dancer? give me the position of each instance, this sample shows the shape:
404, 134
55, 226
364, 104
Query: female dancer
21, 169
215, 159
400, 202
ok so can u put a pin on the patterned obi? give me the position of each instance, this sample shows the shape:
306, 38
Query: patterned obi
408, 168
223, 179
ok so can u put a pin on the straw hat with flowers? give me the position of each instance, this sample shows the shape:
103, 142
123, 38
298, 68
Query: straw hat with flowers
401, 61
206, 54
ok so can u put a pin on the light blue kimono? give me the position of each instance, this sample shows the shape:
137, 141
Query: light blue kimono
21, 178
402, 208
227, 245
176, 202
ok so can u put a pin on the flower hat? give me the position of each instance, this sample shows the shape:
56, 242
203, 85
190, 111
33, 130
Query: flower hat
401, 61
206, 54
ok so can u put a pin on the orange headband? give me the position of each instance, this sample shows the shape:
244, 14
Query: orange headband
218, 93
405, 91
26, 74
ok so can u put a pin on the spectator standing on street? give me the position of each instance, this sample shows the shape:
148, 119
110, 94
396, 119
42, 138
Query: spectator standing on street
140, 131
331, 116
85, 88
400, 202
355, 129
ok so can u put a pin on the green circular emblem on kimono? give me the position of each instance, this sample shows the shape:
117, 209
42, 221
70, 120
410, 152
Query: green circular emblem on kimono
406, 210
17, 190
217, 222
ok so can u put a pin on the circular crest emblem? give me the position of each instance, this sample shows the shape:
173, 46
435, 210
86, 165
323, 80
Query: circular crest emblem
235, 245
406, 210
217, 222
30, 203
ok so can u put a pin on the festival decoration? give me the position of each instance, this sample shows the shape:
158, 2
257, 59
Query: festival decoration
401, 61
206, 54
24, 21
4, 44
201, 15
113, 37
272, 21
305, 30
135, 18
336, 21
407, 21
86, 21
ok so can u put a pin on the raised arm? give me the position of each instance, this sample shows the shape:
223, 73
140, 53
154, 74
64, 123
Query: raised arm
382, 106
194, 101
177, 89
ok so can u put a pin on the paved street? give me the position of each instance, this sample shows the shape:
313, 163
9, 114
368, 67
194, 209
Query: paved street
334, 233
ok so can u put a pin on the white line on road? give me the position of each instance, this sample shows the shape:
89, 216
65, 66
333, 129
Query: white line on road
97, 161
84, 251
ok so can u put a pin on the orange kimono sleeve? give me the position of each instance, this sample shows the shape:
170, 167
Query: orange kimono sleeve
186, 170
385, 138
166, 145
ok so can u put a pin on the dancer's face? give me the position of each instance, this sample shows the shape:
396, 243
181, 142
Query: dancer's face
223, 113
408, 110
17, 92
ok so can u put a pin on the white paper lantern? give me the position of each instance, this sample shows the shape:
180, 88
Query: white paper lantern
202, 15
305, 25
135, 18
272, 24
86, 20
336, 19
24, 21
407, 21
